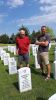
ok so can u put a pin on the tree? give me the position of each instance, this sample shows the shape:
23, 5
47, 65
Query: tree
12, 38
4, 38
50, 32
33, 37
38, 34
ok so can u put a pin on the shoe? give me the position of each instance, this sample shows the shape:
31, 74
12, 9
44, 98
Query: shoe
47, 78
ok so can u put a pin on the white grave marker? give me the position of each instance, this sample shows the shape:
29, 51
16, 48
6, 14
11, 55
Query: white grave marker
55, 55
12, 66
37, 66
8, 48
34, 49
0, 51
54, 71
3, 52
24, 79
49, 46
14, 50
6, 58
55, 48
53, 97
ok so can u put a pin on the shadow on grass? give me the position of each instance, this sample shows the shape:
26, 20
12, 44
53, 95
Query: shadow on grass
16, 85
52, 75
40, 98
7, 71
2, 63
38, 71
34, 70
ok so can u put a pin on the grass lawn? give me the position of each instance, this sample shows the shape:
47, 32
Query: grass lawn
41, 89
5, 44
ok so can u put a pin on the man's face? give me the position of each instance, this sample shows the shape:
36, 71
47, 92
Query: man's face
43, 30
22, 33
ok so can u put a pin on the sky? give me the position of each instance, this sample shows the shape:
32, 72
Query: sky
30, 13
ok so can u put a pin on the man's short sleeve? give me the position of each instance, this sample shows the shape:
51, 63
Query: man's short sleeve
48, 38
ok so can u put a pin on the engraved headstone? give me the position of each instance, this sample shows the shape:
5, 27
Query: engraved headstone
24, 79
12, 65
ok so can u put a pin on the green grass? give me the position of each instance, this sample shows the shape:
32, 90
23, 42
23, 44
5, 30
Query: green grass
41, 89
5, 44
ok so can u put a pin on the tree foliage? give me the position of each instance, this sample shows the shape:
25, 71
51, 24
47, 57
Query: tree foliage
12, 38
4, 38
33, 36
50, 32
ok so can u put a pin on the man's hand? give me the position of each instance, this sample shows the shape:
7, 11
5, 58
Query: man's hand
17, 51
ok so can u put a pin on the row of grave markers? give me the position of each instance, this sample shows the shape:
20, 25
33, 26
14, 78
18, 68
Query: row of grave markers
7, 60
12, 49
24, 74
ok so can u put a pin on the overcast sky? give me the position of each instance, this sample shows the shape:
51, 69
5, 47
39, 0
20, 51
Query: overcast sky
31, 13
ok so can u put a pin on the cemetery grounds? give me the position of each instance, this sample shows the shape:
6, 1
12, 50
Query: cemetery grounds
41, 89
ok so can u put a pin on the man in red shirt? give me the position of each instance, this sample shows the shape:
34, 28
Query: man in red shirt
22, 43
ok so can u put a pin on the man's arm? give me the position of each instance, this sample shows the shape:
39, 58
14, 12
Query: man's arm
45, 43
16, 51
16, 47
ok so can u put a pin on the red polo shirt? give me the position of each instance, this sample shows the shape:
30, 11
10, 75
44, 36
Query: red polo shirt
23, 44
